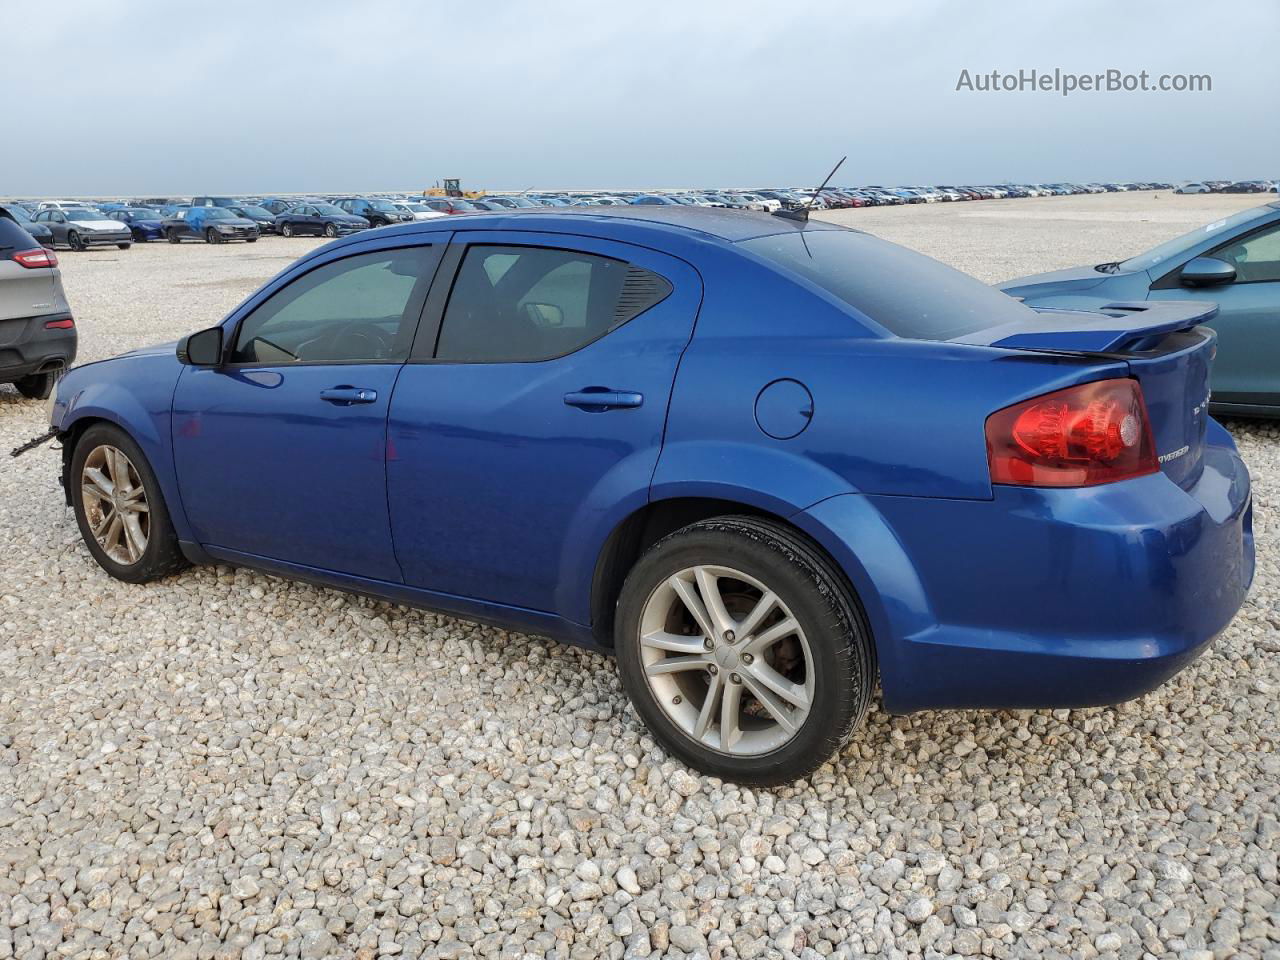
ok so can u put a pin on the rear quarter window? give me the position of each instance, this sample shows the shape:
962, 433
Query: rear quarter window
907, 293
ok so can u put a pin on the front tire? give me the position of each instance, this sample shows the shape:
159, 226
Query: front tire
124, 246
330, 230
744, 650
119, 507
75, 241
211, 236
172, 236
286, 230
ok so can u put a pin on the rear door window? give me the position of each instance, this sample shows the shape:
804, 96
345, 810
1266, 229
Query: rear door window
520, 304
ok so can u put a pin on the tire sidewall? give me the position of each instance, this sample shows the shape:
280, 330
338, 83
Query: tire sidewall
161, 541
825, 628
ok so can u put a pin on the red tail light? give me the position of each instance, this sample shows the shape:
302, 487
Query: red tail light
66, 323
1079, 437
39, 257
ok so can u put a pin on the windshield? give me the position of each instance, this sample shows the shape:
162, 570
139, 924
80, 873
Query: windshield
82, 213
141, 214
383, 206
1171, 248
20, 214
461, 204
418, 207
255, 211
217, 213
329, 210
907, 293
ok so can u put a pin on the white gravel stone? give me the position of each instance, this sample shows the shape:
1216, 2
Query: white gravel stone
226, 764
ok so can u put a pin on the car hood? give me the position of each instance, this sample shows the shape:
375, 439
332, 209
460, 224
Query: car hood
231, 222
97, 224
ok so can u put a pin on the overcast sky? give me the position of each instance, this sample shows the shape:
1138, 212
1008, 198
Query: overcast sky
157, 97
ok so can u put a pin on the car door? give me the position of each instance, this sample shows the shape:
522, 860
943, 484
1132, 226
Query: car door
538, 418
281, 451
1246, 368
56, 223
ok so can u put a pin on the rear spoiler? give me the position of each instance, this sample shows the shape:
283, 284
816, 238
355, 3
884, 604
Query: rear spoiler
1115, 328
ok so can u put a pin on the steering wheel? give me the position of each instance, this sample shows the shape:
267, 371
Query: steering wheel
352, 341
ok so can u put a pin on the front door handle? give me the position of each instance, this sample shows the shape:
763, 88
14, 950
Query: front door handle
600, 399
345, 396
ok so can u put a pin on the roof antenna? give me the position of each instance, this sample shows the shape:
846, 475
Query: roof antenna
802, 213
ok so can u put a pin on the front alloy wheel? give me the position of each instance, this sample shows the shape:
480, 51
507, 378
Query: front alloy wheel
115, 504
119, 507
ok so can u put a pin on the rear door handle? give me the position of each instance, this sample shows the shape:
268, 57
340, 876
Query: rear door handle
600, 399
345, 396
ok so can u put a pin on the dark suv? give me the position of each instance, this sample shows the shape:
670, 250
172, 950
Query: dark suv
379, 213
37, 334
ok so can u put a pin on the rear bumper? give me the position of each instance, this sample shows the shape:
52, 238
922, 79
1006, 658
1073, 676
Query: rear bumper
1050, 598
27, 346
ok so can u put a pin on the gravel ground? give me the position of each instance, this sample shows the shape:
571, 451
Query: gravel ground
226, 764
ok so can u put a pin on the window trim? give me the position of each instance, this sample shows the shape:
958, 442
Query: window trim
230, 340
440, 303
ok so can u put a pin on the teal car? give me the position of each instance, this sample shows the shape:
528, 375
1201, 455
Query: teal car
1234, 262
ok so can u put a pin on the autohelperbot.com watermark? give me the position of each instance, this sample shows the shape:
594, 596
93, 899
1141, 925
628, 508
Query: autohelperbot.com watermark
1065, 82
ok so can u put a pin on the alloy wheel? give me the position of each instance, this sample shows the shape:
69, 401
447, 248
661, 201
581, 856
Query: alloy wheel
726, 660
115, 504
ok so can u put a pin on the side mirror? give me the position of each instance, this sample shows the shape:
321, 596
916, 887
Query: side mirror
203, 349
1206, 272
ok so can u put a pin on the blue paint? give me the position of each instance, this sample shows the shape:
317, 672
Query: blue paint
476, 489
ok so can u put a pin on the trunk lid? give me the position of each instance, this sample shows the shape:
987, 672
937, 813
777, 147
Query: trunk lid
1166, 349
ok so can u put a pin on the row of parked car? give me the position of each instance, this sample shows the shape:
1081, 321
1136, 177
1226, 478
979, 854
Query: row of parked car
219, 219
1229, 186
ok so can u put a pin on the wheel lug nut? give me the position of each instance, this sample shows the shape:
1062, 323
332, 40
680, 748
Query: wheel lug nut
734, 678
730, 636
747, 658
713, 669
708, 643
677, 700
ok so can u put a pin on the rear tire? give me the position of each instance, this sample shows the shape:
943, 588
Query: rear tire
825, 665
117, 519
37, 386
124, 246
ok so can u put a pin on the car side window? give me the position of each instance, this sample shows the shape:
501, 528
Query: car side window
363, 308
519, 304
1256, 258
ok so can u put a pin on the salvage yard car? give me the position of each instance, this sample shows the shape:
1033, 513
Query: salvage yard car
716, 443
318, 220
37, 332
1233, 262
210, 224
83, 227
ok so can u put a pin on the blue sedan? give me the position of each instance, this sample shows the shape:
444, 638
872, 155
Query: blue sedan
319, 220
145, 224
717, 444
1233, 262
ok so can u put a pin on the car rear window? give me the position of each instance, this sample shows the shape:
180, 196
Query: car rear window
907, 293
